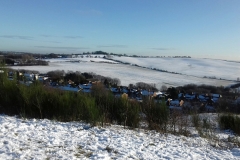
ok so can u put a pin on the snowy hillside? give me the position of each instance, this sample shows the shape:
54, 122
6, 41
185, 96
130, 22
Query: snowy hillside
44, 139
189, 66
133, 74
95, 58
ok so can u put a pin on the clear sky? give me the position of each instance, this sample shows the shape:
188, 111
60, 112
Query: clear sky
197, 28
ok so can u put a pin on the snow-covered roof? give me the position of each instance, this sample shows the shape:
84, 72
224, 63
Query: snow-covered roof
158, 93
146, 93
41, 78
114, 90
190, 96
216, 95
28, 74
85, 86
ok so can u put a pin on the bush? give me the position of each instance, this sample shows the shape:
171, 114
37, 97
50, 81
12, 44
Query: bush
196, 120
56, 75
76, 77
157, 114
10, 98
115, 110
230, 122
146, 86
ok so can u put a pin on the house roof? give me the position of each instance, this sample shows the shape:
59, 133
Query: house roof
146, 93
190, 96
114, 90
85, 86
158, 93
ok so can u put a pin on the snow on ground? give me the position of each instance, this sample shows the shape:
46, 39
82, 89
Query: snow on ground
44, 139
95, 58
190, 66
127, 73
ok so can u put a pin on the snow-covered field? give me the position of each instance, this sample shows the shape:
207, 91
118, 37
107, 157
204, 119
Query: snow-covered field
193, 70
190, 66
95, 58
44, 139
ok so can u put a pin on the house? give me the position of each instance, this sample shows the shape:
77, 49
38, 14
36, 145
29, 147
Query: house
157, 93
16, 63
70, 82
176, 105
215, 97
202, 98
42, 77
85, 86
133, 93
115, 90
188, 96
146, 93
160, 96
124, 89
120, 91
29, 76
181, 95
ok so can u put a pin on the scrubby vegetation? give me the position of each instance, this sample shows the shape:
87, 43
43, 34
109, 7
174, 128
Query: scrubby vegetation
38, 101
230, 121
157, 114
202, 89
23, 59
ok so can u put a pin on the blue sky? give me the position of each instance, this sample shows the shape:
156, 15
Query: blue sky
203, 28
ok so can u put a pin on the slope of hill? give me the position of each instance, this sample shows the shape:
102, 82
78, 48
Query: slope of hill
189, 66
133, 74
44, 139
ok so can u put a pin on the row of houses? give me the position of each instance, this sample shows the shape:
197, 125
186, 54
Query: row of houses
196, 101
200, 97
207, 102
29, 76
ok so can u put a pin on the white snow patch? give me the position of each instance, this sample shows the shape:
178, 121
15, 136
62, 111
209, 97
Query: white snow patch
132, 74
42, 139
189, 66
